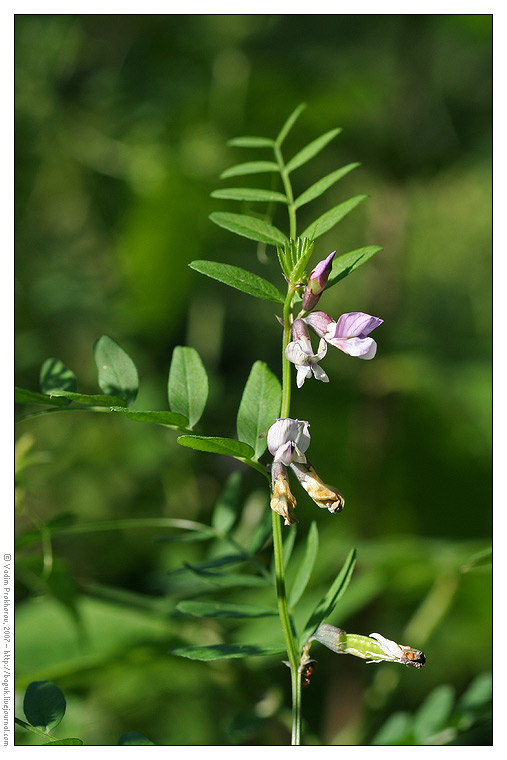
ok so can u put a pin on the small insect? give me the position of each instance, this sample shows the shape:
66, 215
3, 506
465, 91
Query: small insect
306, 673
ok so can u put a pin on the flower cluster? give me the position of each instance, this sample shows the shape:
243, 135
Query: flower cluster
288, 441
350, 333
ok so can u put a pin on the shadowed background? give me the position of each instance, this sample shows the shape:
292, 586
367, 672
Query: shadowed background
121, 131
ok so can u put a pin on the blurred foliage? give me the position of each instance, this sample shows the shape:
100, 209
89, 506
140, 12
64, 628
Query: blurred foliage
121, 130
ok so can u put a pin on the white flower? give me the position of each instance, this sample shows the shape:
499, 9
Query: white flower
288, 440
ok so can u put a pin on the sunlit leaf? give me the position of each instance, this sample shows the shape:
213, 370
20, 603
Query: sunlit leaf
188, 384
323, 184
94, 399
249, 167
290, 123
251, 142
249, 194
25, 396
225, 609
161, 418
249, 227
311, 150
226, 651
259, 407
332, 217
117, 373
240, 279
44, 704
216, 445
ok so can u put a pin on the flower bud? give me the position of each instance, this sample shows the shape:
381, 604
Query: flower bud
373, 648
326, 497
282, 500
317, 281
319, 321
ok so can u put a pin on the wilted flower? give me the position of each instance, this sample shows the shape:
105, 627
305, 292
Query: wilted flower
349, 333
373, 648
317, 281
300, 353
282, 500
288, 440
326, 497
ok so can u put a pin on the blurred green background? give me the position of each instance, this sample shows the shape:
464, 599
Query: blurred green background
121, 131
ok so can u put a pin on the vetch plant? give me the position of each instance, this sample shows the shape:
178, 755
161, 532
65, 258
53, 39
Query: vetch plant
264, 419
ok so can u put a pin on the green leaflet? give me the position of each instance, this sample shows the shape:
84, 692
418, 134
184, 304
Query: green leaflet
226, 651
161, 418
134, 738
249, 227
216, 445
225, 609
290, 123
25, 396
117, 373
249, 167
311, 150
187, 386
44, 705
55, 376
305, 569
347, 262
332, 217
66, 742
239, 278
249, 194
330, 598
259, 407
94, 399
320, 187
227, 505
251, 142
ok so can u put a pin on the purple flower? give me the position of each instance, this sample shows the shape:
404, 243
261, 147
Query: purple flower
288, 440
349, 333
317, 281
300, 353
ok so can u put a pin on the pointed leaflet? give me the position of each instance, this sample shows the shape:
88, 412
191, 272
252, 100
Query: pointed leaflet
225, 609
117, 372
94, 399
239, 278
332, 217
305, 569
249, 194
347, 262
249, 167
226, 651
216, 445
259, 407
44, 705
330, 598
311, 150
188, 384
251, 142
289, 123
249, 227
160, 418
323, 184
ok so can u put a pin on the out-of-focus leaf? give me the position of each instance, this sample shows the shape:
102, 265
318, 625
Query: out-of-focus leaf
259, 407
478, 693
305, 569
329, 600
227, 506
348, 262
332, 217
25, 396
66, 742
134, 738
226, 651
249, 194
228, 580
311, 150
395, 731
173, 419
251, 142
261, 532
225, 609
216, 445
117, 373
55, 376
188, 384
434, 713
249, 227
240, 279
323, 184
249, 167
290, 123
44, 705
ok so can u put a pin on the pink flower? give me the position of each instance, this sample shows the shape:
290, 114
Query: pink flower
349, 334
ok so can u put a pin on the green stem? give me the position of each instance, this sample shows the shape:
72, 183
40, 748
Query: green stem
34, 730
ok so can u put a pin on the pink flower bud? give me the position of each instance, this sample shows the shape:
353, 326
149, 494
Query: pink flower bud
317, 281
